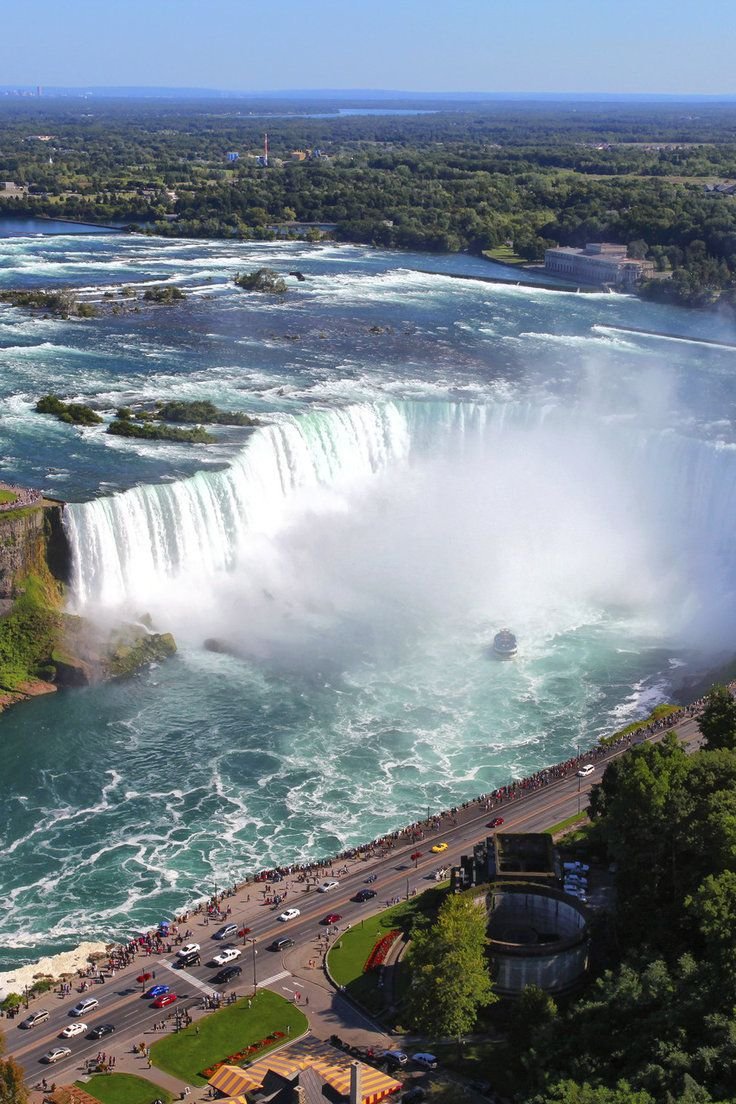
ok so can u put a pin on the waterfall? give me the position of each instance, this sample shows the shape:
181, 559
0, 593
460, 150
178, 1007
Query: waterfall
124, 545
610, 488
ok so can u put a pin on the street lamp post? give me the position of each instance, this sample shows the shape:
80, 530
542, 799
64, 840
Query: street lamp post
255, 977
407, 887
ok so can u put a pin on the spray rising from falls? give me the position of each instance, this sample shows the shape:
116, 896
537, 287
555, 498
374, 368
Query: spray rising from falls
490, 508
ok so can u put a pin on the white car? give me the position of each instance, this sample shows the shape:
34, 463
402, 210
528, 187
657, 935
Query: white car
188, 949
84, 1006
586, 770
227, 954
71, 1030
290, 914
327, 886
55, 1054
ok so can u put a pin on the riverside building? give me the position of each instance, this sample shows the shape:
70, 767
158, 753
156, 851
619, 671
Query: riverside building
599, 263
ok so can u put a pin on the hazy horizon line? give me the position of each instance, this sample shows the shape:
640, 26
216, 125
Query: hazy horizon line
362, 93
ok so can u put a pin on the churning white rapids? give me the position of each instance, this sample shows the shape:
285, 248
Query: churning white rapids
437, 459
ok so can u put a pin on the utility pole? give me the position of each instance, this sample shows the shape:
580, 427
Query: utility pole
255, 977
407, 887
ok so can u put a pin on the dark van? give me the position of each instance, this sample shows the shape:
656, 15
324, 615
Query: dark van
191, 959
281, 944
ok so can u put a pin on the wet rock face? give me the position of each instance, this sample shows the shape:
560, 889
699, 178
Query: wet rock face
22, 544
31, 539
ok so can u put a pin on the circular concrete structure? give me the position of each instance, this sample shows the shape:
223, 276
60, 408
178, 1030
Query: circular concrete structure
538, 936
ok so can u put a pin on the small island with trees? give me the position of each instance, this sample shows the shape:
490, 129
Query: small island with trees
164, 421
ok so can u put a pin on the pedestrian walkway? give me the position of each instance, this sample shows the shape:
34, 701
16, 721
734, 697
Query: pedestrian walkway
203, 987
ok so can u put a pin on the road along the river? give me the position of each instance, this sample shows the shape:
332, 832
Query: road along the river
397, 876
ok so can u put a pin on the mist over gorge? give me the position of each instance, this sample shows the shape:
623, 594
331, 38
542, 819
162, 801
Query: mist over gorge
487, 458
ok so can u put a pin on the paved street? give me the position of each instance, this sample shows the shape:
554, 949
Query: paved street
299, 969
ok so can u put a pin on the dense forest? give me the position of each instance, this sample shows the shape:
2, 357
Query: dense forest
515, 176
658, 1023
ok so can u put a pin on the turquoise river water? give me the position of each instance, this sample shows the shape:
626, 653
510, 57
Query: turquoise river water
437, 458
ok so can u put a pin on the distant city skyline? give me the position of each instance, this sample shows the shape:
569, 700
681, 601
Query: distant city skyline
669, 47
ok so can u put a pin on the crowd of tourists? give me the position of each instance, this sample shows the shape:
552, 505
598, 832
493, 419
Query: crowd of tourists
162, 939
24, 496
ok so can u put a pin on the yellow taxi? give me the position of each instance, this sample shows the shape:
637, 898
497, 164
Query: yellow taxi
439, 848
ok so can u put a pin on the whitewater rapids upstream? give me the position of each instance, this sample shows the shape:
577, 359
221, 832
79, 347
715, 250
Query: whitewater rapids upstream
436, 459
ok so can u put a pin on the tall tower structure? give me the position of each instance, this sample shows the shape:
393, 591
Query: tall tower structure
265, 150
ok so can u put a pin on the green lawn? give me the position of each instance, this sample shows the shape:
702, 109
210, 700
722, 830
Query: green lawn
576, 818
347, 958
123, 1088
226, 1032
7, 496
504, 254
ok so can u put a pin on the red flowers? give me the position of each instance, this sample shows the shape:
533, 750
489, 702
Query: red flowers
377, 957
243, 1055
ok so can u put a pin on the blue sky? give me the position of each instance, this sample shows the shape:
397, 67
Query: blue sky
686, 46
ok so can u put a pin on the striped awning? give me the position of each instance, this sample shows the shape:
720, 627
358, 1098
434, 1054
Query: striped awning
331, 1064
234, 1081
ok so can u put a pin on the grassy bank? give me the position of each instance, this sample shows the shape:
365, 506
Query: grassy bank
29, 632
348, 956
577, 819
504, 254
123, 1088
657, 714
225, 1032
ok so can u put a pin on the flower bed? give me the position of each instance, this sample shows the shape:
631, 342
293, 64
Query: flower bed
243, 1055
380, 950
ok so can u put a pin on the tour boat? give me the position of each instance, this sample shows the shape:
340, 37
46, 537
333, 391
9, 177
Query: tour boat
504, 644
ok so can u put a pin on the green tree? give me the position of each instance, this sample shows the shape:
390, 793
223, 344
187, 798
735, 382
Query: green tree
12, 1080
570, 1092
450, 977
529, 1013
718, 719
714, 906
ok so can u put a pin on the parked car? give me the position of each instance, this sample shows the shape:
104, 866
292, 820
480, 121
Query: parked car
73, 1029
34, 1018
439, 848
82, 1007
495, 823
188, 949
227, 974
327, 886
394, 1058
428, 1061
164, 1000
364, 895
281, 944
55, 1054
586, 770
332, 918
156, 991
225, 931
228, 954
290, 914
101, 1031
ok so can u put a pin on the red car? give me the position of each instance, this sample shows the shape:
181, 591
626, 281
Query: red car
332, 918
164, 999
495, 823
